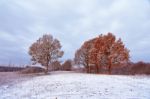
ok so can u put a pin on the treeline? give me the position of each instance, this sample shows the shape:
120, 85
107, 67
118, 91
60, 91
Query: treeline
102, 54
10, 69
55, 66
124, 69
133, 69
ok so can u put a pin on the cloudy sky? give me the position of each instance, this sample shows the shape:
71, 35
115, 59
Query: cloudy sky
72, 22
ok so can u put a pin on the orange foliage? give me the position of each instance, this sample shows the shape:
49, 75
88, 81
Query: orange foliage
103, 50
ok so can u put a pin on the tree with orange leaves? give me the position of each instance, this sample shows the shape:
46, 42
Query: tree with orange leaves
104, 50
109, 51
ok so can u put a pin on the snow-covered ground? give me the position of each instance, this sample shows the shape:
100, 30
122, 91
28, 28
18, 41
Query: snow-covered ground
66, 85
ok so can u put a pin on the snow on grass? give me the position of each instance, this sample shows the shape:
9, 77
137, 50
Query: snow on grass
79, 86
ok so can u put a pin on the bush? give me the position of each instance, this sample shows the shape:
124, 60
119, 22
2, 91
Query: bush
133, 69
55, 66
67, 65
140, 68
29, 70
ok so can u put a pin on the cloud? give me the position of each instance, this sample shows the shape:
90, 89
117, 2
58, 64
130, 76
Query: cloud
72, 22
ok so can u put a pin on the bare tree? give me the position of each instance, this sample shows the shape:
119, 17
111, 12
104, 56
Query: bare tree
45, 51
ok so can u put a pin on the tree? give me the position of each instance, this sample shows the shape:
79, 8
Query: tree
67, 65
56, 65
113, 51
103, 51
82, 55
45, 51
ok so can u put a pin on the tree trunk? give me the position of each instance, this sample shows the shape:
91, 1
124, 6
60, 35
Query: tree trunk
110, 66
97, 68
46, 70
87, 67
109, 69
47, 64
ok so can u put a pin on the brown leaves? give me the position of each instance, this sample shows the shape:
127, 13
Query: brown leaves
45, 50
103, 50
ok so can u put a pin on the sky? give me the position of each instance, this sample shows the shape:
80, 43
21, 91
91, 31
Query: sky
22, 22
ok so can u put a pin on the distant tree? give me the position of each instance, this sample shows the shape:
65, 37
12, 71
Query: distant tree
103, 50
140, 68
45, 51
56, 65
67, 65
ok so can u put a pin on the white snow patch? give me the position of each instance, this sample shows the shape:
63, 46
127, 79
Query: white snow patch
79, 86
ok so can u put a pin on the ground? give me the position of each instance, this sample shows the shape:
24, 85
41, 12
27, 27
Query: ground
69, 85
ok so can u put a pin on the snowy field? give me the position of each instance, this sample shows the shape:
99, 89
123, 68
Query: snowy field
66, 85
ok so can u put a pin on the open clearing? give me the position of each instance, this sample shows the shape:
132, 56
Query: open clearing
67, 85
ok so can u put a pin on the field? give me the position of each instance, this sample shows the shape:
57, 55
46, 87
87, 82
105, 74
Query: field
70, 85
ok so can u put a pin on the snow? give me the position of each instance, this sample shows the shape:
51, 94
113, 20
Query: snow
66, 85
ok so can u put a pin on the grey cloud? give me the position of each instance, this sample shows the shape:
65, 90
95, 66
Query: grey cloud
72, 22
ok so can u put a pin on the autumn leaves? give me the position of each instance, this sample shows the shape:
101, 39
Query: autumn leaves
104, 51
45, 51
